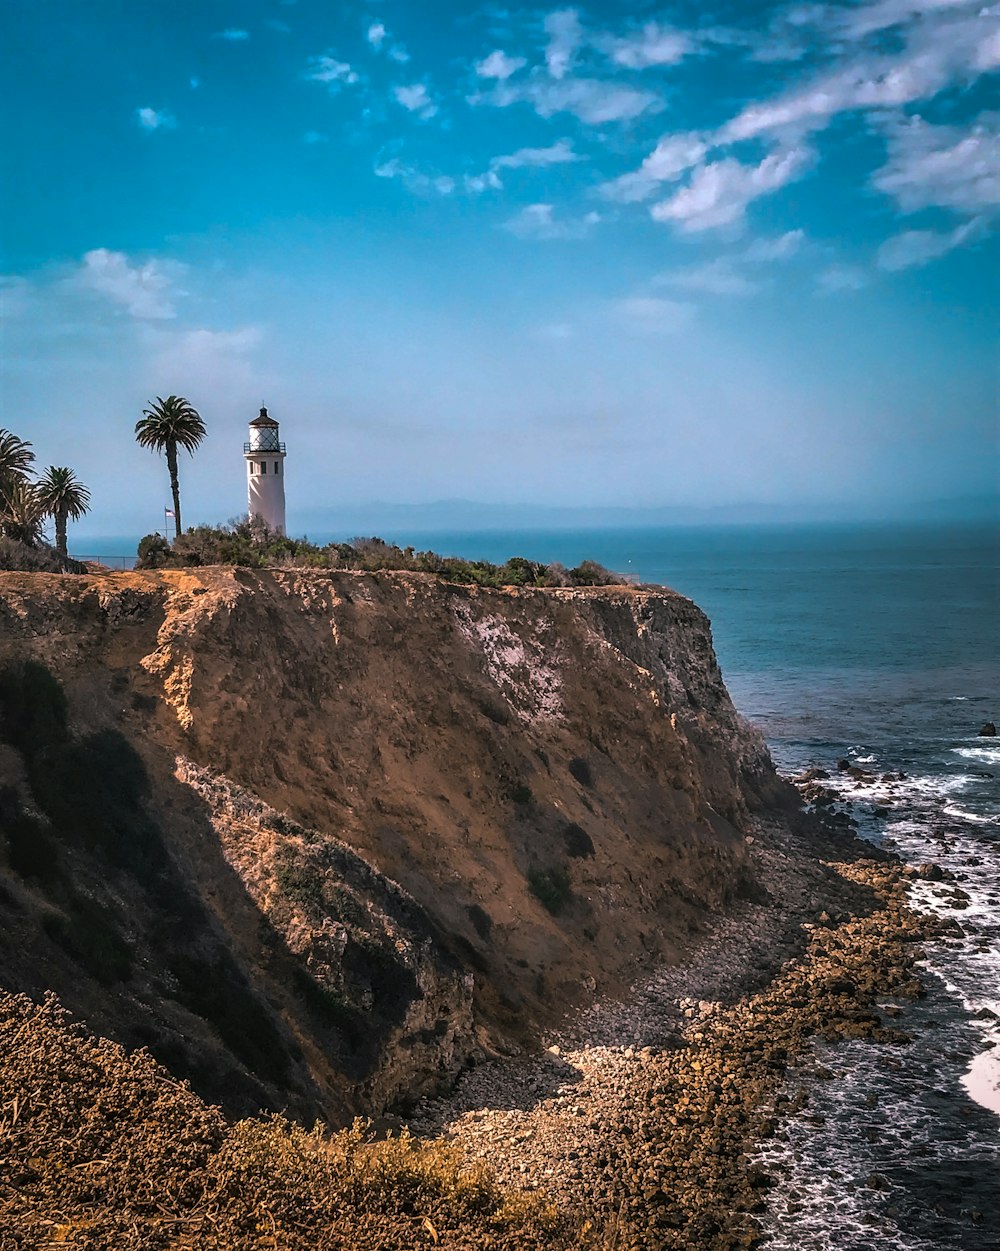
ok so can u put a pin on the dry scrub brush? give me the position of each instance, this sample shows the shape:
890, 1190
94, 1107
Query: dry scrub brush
104, 1150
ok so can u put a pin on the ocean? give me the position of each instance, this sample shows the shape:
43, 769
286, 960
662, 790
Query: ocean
878, 644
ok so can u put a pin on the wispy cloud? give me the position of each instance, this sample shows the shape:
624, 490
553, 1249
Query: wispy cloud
315, 136
233, 35
415, 179
719, 192
559, 153
839, 278
647, 314
948, 167
539, 221
381, 41
941, 42
653, 45
739, 273
416, 98
499, 65
673, 156
594, 101
155, 119
717, 277
146, 290
914, 248
328, 69
565, 34
778, 249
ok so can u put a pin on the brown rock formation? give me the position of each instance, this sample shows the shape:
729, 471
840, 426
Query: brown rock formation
357, 827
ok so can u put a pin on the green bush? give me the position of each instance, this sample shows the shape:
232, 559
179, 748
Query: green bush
153, 552
551, 888
579, 844
251, 545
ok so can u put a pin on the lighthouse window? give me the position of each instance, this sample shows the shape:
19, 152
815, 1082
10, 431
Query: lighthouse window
263, 466
275, 466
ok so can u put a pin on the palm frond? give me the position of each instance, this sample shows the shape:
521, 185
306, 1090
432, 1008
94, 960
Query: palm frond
61, 492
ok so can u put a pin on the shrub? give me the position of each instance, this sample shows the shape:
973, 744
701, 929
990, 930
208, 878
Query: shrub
250, 544
153, 552
580, 770
17, 557
551, 888
481, 920
521, 794
579, 844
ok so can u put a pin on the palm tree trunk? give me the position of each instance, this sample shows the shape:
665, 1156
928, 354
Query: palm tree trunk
175, 486
60, 519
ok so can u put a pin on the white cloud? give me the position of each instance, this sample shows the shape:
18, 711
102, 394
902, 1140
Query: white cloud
232, 35
155, 119
719, 193
146, 291
594, 101
327, 69
837, 278
416, 99
672, 156
565, 34
380, 40
914, 248
777, 249
220, 365
559, 153
414, 179
651, 315
315, 136
717, 277
499, 65
942, 43
943, 166
653, 45
538, 221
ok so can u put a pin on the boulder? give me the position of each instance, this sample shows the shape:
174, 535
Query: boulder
989, 730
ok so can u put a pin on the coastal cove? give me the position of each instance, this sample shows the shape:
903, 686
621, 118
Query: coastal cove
762, 1026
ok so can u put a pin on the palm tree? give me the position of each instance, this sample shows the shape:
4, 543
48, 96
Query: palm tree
64, 499
16, 459
165, 426
22, 513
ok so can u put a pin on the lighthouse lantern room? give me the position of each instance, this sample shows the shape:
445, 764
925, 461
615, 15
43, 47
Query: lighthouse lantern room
264, 454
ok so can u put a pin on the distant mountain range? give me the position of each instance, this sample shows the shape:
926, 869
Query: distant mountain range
449, 515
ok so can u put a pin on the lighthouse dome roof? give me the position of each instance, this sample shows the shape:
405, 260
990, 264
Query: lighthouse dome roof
264, 420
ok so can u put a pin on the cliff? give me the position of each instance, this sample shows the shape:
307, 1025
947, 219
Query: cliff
319, 839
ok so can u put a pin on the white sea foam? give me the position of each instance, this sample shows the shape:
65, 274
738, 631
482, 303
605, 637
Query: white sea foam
953, 810
990, 754
982, 1080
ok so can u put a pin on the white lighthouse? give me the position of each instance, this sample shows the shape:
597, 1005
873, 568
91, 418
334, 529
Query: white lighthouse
265, 458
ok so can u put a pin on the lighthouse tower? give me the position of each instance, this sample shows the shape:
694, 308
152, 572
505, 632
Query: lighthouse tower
265, 458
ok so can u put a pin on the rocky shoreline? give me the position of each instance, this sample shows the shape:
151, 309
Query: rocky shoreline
645, 1116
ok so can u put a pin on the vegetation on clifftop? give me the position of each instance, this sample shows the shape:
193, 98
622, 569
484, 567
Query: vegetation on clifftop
249, 544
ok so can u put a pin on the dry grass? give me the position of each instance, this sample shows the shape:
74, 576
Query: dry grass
104, 1150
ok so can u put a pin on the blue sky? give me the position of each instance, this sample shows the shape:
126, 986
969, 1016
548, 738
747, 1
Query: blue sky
610, 254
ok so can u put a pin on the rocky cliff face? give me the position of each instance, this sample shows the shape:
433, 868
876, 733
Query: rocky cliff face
318, 839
